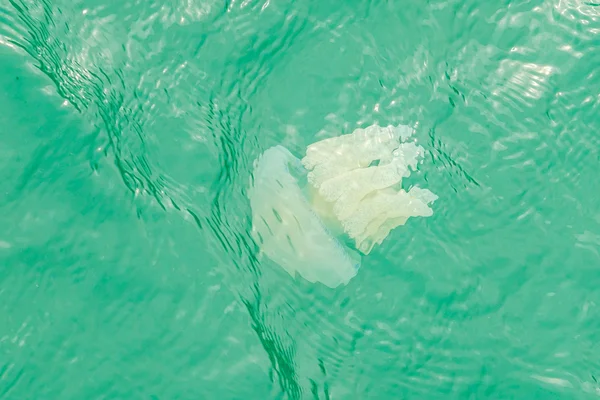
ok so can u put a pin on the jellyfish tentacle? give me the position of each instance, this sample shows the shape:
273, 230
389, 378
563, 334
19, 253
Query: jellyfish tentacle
357, 177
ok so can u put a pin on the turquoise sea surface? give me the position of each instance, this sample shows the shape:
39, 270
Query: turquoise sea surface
128, 133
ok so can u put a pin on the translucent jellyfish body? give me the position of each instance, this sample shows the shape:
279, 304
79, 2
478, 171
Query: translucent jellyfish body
315, 216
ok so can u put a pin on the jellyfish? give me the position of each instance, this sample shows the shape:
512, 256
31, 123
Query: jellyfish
318, 216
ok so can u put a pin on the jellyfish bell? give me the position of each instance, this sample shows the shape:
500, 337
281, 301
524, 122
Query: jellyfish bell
286, 228
316, 216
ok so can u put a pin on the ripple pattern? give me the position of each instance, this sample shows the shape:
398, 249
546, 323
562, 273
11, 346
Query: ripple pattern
131, 263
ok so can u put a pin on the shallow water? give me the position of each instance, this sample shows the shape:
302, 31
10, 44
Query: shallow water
128, 135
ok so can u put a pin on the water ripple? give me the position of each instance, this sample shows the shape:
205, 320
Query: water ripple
182, 96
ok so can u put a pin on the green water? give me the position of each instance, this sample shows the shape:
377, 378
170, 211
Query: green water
127, 136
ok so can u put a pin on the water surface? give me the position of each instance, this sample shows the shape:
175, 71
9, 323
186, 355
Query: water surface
128, 133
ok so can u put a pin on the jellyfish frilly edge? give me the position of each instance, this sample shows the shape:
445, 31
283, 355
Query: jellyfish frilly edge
316, 216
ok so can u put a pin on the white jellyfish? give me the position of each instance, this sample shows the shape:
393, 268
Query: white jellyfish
316, 216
